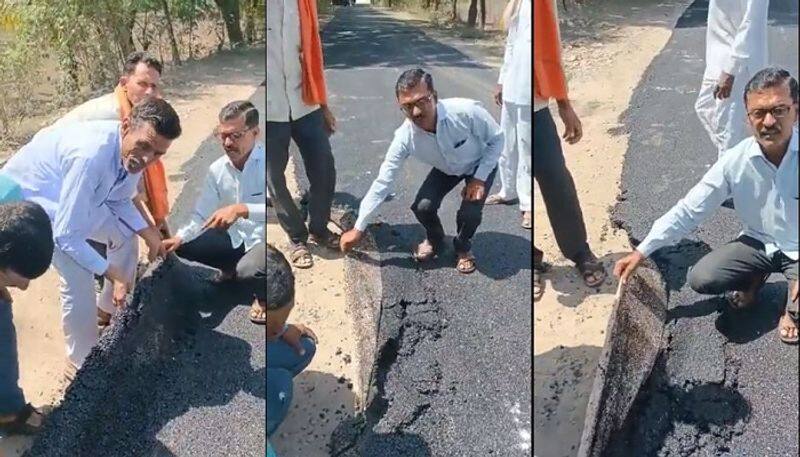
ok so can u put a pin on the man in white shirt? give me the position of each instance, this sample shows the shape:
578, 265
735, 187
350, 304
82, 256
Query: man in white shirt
84, 175
294, 114
226, 230
760, 173
514, 96
736, 47
461, 141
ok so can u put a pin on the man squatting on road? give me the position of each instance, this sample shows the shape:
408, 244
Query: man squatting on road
761, 175
461, 141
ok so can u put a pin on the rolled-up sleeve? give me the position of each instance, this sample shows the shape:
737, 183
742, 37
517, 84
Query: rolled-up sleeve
397, 154
488, 132
73, 222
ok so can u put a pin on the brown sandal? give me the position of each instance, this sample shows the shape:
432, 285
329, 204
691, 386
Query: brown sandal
258, 314
784, 325
301, 256
330, 240
466, 264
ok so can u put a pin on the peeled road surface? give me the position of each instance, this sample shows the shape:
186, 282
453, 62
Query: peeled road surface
725, 386
454, 354
181, 374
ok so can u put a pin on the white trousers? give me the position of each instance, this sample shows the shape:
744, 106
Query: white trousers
79, 300
515, 167
725, 121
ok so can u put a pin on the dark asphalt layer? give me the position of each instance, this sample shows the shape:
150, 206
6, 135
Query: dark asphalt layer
726, 385
182, 374
454, 357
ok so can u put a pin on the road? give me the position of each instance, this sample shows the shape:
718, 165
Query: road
726, 385
455, 357
185, 376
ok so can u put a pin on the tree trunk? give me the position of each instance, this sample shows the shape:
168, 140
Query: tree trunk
176, 57
230, 14
472, 14
436, 5
250, 21
483, 14
455, 10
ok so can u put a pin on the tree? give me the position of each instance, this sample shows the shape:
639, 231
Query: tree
472, 13
230, 14
455, 10
176, 56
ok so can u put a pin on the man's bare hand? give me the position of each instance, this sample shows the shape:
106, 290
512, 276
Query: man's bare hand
152, 239
474, 191
349, 239
223, 218
498, 95
627, 265
573, 129
329, 119
293, 335
724, 86
172, 244
120, 292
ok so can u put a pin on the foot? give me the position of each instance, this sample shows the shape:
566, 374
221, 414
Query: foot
328, 240
788, 329
27, 421
466, 263
301, 256
539, 268
526, 220
746, 298
592, 271
497, 199
425, 251
258, 313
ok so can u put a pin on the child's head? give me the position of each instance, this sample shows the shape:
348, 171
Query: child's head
26, 243
280, 290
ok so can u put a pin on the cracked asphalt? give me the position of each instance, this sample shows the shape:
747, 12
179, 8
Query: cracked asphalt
454, 357
725, 386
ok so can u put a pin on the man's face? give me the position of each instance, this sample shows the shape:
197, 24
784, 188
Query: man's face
141, 145
772, 113
11, 278
237, 139
143, 82
276, 319
419, 105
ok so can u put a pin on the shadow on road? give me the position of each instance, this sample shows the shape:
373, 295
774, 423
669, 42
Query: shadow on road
568, 282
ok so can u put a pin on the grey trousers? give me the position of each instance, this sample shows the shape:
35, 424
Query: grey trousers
558, 189
735, 265
309, 134
11, 398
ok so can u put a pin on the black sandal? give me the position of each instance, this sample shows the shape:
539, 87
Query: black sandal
20, 424
329, 240
591, 267
538, 281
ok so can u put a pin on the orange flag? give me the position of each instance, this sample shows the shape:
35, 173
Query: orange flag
548, 75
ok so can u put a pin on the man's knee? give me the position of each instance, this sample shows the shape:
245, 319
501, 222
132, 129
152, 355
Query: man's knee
254, 263
424, 207
703, 281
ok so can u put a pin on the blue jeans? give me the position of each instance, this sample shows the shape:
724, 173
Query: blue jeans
283, 364
11, 398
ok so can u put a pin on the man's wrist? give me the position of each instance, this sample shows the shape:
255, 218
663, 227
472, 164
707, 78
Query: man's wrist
242, 211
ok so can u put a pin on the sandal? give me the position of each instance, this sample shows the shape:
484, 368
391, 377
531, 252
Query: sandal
466, 263
22, 423
496, 199
329, 240
590, 268
258, 313
301, 256
736, 299
526, 220
538, 280
785, 325
424, 251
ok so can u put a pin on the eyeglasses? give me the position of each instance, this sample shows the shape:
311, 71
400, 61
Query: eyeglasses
420, 103
777, 112
235, 136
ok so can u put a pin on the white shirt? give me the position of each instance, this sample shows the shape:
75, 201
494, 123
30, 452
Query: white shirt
765, 198
72, 172
467, 141
284, 72
736, 38
103, 108
515, 74
225, 185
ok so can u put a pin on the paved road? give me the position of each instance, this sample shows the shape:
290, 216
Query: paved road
185, 377
726, 385
455, 361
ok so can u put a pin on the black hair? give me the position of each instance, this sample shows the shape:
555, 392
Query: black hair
26, 239
280, 280
234, 110
159, 114
137, 57
771, 77
411, 79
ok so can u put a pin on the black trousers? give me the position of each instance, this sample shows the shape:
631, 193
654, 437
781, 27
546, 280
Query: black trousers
428, 200
213, 248
735, 265
558, 189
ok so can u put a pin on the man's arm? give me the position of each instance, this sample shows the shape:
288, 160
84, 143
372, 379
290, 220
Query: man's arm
488, 133
755, 16
380, 188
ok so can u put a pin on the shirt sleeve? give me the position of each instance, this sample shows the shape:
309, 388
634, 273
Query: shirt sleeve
397, 154
257, 212
700, 203
755, 16
512, 35
206, 205
488, 132
72, 224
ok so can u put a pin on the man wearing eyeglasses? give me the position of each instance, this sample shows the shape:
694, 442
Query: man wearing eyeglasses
226, 230
461, 141
760, 174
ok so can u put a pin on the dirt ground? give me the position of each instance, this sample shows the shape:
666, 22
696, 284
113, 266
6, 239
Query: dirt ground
197, 91
606, 50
